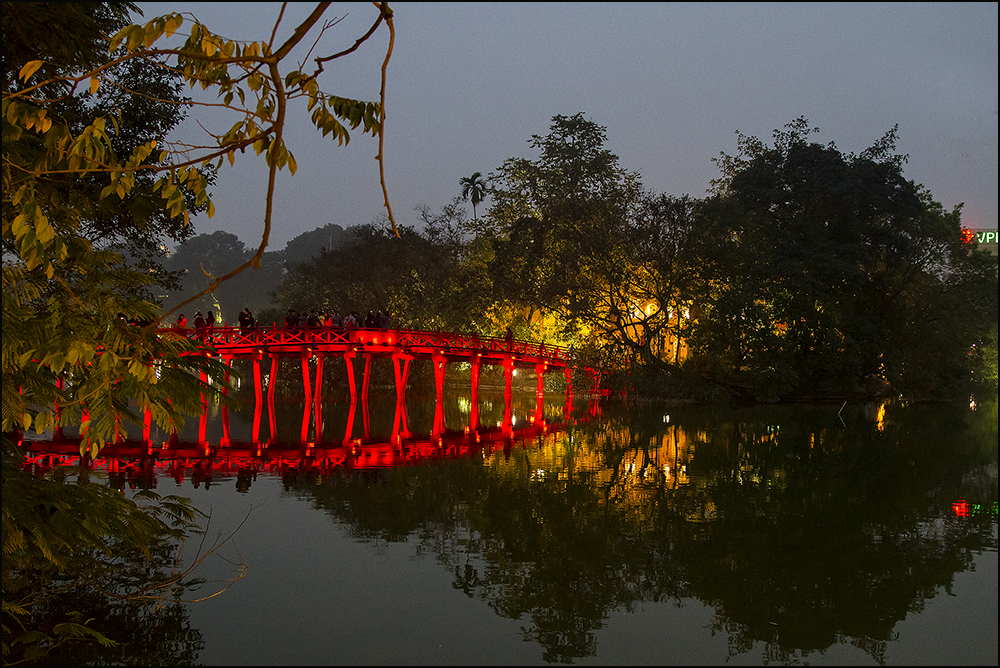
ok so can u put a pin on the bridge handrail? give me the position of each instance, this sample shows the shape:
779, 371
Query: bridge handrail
268, 336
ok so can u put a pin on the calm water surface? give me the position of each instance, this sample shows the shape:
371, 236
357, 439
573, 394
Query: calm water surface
646, 535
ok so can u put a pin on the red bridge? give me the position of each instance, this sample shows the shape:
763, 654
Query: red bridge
400, 345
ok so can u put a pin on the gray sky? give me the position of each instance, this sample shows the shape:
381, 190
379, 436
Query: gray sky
469, 83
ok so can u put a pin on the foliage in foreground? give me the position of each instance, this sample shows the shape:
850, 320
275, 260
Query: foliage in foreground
89, 185
73, 548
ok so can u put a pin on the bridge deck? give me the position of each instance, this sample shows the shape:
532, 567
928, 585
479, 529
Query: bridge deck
277, 341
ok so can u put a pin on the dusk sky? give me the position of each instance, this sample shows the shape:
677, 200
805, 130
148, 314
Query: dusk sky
469, 83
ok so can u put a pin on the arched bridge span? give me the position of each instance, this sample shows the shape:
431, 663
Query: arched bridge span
402, 346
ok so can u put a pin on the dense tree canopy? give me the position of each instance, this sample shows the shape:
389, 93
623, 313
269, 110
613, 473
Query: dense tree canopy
836, 274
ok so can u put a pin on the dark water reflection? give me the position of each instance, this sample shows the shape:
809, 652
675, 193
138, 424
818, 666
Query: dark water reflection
786, 534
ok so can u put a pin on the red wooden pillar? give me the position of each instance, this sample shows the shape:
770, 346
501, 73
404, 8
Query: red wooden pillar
225, 409
349, 360
367, 377
306, 385
439, 425
257, 398
147, 426
401, 372
400, 426
272, 384
474, 400
508, 374
307, 389
439, 367
540, 375
317, 398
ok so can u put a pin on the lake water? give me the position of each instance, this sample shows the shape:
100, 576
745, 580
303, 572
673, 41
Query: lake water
594, 534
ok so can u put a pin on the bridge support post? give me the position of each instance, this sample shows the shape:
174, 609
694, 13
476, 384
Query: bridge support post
272, 384
400, 425
367, 378
540, 375
508, 375
401, 373
225, 409
440, 362
257, 398
307, 389
306, 385
318, 398
349, 360
439, 426
539, 391
474, 415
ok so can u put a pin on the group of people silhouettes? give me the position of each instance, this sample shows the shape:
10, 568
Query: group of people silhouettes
352, 320
205, 324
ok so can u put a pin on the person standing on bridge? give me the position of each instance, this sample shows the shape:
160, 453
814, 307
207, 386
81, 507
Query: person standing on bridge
209, 323
247, 323
199, 325
509, 338
182, 322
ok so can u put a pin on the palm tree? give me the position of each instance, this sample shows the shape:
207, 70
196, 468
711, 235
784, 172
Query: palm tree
475, 187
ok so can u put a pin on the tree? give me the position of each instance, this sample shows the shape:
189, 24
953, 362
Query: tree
205, 255
475, 187
555, 220
141, 90
641, 278
835, 271
417, 277
70, 356
314, 243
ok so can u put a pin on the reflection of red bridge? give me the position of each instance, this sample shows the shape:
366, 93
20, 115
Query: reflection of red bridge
401, 346
201, 461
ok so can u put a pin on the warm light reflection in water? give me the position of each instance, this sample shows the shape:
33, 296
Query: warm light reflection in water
808, 534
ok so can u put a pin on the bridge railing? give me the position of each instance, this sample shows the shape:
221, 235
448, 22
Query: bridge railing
241, 340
